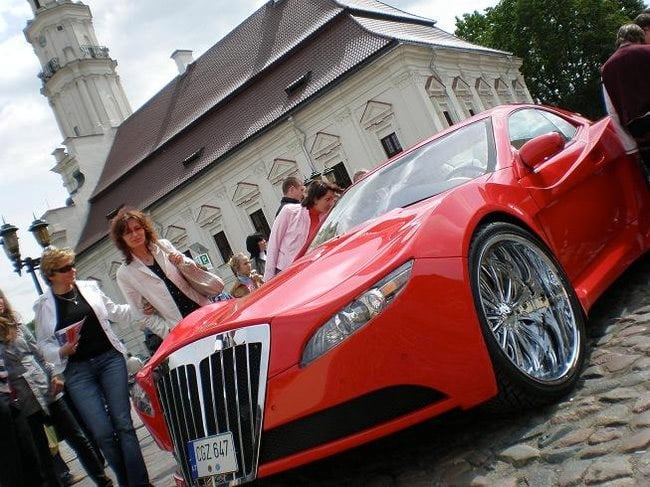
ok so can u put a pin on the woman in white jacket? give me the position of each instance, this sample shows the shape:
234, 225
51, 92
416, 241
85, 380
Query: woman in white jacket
150, 273
92, 360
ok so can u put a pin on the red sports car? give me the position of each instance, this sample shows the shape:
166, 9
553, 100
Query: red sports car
456, 273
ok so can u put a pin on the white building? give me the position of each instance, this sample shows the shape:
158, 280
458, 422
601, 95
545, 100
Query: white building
87, 98
335, 86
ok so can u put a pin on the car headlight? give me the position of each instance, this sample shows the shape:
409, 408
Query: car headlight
356, 314
141, 400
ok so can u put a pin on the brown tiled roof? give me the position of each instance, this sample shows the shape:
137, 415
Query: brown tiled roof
237, 89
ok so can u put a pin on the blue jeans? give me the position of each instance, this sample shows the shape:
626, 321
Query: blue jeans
99, 389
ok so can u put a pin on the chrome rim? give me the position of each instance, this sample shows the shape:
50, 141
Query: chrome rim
527, 308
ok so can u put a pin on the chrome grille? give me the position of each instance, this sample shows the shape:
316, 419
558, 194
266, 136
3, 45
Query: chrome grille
217, 385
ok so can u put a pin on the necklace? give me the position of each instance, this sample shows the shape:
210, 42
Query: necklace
74, 299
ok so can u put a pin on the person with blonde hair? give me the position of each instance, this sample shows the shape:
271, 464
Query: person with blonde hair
248, 279
150, 273
91, 360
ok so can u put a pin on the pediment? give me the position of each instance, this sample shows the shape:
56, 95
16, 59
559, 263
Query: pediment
375, 113
176, 234
208, 214
282, 169
324, 144
460, 86
483, 87
518, 88
435, 87
245, 192
501, 86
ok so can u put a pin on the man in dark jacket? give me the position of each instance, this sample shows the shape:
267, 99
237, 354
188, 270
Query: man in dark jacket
626, 78
293, 191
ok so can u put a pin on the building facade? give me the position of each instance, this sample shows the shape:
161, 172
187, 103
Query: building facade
339, 86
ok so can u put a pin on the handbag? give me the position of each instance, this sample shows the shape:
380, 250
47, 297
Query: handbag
202, 281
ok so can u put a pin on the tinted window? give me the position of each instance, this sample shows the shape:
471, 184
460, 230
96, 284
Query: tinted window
442, 164
527, 124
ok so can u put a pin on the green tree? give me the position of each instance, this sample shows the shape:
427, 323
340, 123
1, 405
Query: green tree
562, 43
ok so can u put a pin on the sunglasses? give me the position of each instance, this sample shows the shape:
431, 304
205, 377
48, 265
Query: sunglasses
64, 269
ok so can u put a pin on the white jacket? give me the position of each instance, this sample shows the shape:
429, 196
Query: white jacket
137, 281
45, 320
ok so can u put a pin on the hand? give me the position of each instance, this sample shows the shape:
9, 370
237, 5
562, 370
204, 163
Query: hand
56, 385
68, 348
148, 309
175, 258
258, 279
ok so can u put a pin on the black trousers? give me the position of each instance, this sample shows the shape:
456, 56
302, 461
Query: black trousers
17, 449
66, 426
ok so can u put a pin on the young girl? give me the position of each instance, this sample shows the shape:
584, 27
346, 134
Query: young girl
247, 279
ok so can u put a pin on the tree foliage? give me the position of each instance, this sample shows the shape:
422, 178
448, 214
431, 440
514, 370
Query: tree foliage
562, 43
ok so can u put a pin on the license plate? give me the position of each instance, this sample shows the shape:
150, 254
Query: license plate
213, 455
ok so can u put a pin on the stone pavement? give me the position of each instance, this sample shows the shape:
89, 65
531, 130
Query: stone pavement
599, 435
160, 463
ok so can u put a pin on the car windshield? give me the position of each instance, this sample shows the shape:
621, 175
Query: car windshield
442, 164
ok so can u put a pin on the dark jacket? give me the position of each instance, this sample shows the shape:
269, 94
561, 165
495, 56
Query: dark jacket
626, 76
285, 201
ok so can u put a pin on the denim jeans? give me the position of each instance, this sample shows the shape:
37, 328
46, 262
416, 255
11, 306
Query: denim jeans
99, 389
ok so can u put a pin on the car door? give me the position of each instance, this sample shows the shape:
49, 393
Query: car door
579, 191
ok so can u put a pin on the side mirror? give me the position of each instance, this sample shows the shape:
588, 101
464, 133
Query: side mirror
537, 150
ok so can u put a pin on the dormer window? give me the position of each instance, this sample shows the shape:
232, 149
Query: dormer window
298, 83
193, 157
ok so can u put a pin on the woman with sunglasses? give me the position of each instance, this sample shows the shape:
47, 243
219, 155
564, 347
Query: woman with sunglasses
91, 360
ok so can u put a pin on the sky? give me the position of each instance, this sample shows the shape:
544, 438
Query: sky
141, 35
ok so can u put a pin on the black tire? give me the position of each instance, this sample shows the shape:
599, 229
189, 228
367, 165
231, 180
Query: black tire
530, 317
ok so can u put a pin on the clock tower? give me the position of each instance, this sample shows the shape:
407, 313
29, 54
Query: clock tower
85, 93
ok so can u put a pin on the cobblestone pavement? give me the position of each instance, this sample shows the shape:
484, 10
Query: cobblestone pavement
600, 435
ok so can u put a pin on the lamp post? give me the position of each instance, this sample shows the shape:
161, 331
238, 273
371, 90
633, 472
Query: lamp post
9, 240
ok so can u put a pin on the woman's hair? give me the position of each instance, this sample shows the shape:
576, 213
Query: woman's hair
630, 33
252, 244
235, 261
8, 321
119, 225
50, 259
316, 190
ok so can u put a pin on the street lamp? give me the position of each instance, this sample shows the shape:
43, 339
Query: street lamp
9, 240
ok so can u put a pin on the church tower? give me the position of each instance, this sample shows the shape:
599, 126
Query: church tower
86, 96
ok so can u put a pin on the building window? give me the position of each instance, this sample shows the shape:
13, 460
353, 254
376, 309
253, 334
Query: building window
450, 121
391, 145
223, 246
338, 175
259, 223
187, 254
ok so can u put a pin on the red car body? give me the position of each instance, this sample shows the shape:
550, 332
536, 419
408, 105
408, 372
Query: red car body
424, 353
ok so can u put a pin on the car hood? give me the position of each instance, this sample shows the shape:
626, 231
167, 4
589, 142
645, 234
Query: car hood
306, 294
